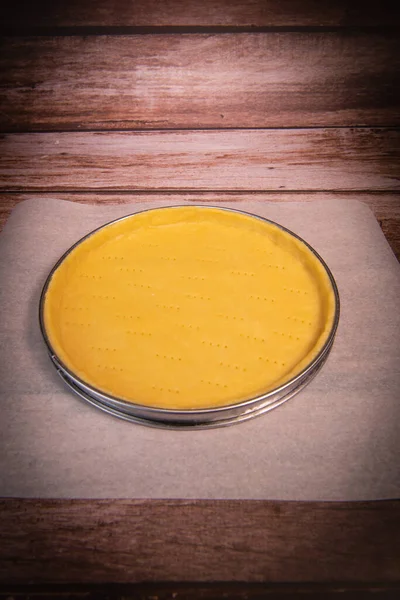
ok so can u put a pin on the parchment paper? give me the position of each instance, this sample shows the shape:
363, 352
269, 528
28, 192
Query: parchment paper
339, 439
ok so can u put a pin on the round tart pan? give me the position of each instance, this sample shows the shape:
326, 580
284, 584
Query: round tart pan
189, 316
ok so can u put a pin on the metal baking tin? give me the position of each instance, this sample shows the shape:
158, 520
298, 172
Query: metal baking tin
197, 418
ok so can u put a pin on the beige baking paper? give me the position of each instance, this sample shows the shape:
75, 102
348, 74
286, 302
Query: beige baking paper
339, 439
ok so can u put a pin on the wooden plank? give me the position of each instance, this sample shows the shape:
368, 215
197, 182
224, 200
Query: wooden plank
391, 229
240, 160
201, 591
385, 206
191, 81
94, 541
139, 13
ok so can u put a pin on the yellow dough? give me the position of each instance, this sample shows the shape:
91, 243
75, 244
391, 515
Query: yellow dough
188, 307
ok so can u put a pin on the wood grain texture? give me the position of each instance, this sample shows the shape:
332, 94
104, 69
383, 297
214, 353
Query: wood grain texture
200, 591
240, 160
385, 206
134, 541
207, 13
195, 81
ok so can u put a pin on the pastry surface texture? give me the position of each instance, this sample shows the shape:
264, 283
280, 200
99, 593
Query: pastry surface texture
188, 308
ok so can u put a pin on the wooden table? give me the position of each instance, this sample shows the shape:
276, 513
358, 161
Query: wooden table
108, 102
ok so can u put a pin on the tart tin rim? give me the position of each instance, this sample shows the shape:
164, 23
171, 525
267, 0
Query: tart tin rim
159, 412
193, 423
